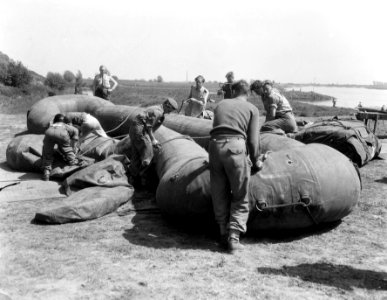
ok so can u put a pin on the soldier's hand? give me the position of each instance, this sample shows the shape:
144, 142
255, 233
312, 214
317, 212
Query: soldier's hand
256, 167
259, 163
156, 145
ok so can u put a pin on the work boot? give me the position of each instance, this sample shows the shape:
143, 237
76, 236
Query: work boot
46, 175
233, 241
223, 242
74, 162
223, 239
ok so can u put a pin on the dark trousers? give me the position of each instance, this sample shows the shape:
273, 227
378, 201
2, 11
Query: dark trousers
102, 92
56, 136
230, 175
284, 121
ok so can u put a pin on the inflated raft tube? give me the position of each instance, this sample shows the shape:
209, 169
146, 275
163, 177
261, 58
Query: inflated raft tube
270, 142
303, 186
182, 168
297, 187
43, 111
199, 131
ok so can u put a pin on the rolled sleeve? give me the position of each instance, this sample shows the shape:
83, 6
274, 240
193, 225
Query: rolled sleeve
73, 132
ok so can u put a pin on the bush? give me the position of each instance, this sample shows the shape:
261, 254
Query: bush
69, 76
3, 72
16, 75
55, 81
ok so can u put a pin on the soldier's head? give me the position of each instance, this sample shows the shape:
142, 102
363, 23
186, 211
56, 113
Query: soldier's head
66, 120
257, 87
170, 105
59, 118
103, 69
230, 77
267, 87
240, 88
199, 80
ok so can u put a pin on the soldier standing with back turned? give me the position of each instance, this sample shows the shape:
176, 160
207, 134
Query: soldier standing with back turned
234, 138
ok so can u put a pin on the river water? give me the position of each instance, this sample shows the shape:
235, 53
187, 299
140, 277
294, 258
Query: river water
348, 97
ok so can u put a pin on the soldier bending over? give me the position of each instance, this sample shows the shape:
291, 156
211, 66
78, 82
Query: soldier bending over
60, 134
234, 138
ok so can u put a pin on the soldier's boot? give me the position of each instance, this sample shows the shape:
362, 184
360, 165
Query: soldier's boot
73, 162
46, 175
233, 241
223, 240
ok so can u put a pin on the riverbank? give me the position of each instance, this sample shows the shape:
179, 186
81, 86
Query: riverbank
349, 97
306, 96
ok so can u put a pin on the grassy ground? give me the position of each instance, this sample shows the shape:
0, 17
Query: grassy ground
143, 256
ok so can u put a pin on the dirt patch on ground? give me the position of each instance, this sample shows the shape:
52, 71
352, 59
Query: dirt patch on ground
142, 256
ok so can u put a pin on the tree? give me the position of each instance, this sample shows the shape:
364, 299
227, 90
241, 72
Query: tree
17, 75
69, 76
78, 83
55, 81
160, 79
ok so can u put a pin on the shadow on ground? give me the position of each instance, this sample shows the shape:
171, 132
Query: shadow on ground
382, 180
289, 235
19, 174
156, 231
339, 276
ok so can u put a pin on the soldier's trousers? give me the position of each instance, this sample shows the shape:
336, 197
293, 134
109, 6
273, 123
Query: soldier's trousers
56, 136
142, 150
284, 121
230, 175
102, 92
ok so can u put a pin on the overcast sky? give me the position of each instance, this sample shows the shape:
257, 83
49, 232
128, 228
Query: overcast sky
288, 41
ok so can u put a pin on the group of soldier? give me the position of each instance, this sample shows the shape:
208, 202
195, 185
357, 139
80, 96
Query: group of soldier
233, 150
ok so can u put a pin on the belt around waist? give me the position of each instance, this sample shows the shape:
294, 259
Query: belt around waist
284, 112
219, 138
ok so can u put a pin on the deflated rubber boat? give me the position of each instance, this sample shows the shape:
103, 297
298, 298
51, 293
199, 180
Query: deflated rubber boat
351, 137
299, 186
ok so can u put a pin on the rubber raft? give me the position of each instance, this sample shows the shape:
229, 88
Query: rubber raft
299, 185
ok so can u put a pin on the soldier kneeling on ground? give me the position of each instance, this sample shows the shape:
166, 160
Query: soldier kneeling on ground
63, 135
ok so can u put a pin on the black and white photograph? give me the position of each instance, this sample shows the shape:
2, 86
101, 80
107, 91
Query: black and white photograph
193, 149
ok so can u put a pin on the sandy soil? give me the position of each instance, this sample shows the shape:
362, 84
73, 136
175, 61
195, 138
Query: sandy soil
142, 256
